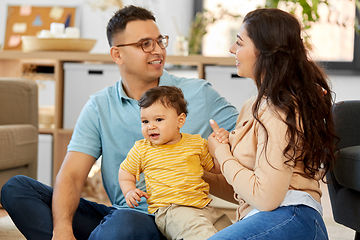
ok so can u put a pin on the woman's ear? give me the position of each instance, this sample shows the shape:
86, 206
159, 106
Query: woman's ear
181, 120
115, 54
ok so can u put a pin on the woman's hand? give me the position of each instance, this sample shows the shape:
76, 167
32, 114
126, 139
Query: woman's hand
213, 141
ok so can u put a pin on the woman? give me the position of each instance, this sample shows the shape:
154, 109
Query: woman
283, 136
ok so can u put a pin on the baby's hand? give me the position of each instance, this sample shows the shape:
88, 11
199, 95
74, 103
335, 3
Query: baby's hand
134, 196
222, 135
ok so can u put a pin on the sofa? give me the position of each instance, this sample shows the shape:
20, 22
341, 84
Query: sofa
18, 128
344, 179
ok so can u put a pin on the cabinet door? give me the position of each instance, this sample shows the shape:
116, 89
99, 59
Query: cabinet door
82, 80
44, 167
234, 88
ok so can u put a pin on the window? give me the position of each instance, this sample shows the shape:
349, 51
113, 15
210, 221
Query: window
333, 37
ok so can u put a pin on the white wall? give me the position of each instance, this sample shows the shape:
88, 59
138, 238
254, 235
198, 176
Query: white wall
93, 22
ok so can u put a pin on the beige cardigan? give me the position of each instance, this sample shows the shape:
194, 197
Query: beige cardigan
256, 183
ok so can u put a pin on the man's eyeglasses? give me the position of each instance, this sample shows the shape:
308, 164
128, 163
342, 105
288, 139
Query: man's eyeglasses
148, 45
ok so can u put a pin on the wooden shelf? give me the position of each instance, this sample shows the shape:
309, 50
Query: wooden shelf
56, 55
46, 130
85, 56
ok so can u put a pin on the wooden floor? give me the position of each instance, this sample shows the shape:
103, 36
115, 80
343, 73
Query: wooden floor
3, 213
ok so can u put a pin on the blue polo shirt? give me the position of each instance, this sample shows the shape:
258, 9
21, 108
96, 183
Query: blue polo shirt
109, 125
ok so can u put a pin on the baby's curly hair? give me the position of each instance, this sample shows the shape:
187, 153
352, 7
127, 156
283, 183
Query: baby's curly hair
169, 96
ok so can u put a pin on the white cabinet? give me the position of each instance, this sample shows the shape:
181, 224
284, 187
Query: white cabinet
226, 81
82, 80
44, 166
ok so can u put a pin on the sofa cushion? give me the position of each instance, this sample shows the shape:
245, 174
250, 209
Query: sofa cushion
19, 101
347, 168
18, 145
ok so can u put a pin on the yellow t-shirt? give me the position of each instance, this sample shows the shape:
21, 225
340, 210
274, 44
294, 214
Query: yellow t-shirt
172, 172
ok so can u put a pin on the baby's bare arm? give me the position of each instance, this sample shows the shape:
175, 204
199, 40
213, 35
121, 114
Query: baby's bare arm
127, 184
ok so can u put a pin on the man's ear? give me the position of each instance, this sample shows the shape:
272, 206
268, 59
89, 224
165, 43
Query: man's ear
181, 120
115, 54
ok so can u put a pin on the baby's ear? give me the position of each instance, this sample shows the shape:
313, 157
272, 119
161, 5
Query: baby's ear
181, 120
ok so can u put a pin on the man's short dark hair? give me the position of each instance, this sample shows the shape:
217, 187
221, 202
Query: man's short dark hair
169, 96
122, 17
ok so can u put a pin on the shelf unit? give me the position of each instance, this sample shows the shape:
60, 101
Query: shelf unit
11, 65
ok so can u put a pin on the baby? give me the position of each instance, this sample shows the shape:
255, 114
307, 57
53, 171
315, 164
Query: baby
173, 164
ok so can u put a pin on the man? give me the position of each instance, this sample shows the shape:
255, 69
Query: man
108, 126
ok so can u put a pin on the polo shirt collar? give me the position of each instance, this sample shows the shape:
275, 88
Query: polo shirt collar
165, 80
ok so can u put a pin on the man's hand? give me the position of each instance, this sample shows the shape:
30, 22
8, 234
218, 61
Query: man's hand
321, 90
134, 196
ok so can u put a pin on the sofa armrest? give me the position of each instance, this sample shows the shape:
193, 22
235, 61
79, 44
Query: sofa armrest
18, 148
347, 168
18, 101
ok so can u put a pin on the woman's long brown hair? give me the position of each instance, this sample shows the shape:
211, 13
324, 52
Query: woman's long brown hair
285, 75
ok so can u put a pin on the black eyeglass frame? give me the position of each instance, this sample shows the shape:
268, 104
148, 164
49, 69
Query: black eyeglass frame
140, 43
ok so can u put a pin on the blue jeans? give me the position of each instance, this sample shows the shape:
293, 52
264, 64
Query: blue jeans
28, 202
284, 223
